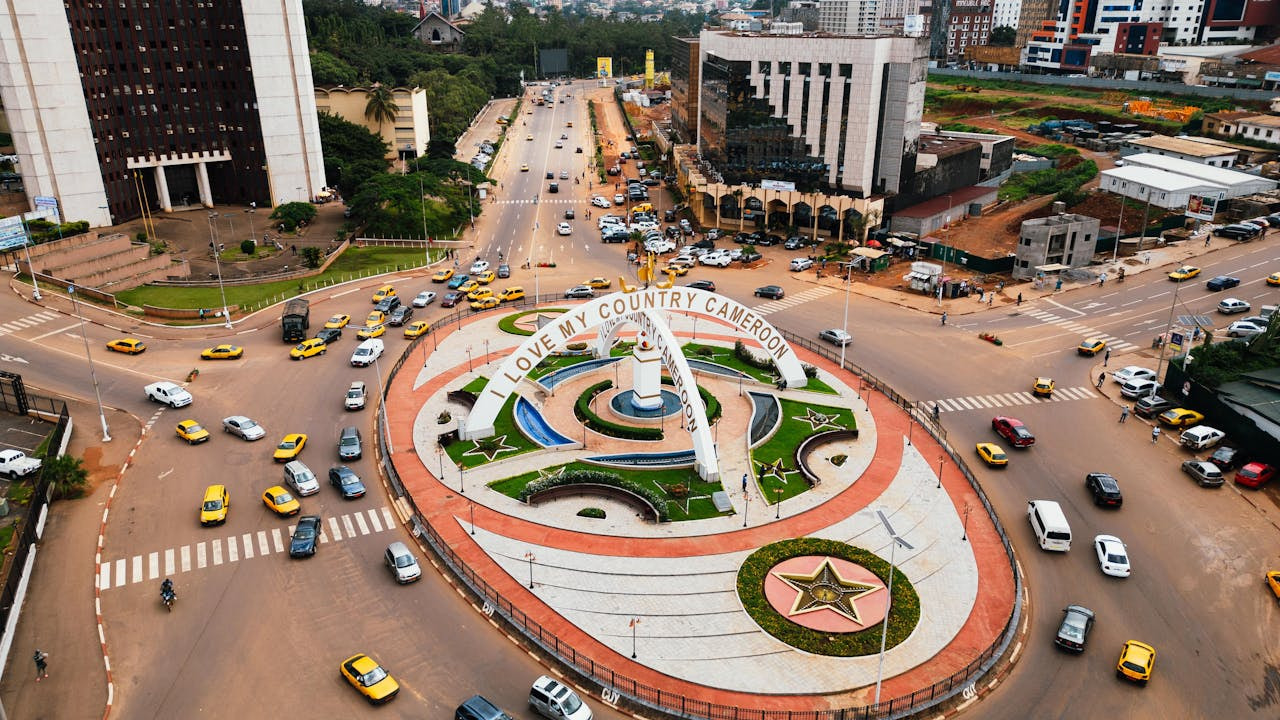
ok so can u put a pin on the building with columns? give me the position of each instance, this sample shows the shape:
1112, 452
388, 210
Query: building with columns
117, 106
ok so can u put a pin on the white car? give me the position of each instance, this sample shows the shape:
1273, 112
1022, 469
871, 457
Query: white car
366, 352
1133, 372
800, 264
559, 144
424, 298
1244, 328
556, 701
479, 266
1113, 558
600, 201
168, 393
1141, 387
619, 200
643, 226
719, 258
564, 229
605, 220
659, 246
1233, 306
244, 427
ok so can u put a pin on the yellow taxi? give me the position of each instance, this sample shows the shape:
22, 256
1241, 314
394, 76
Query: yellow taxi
372, 331
597, 283
486, 277
992, 454
289, 447
414, 329
1180, 417
214, 507
192, 432
368, 677
338, 321
524, 167
222, 352
279, 501
480, 293
511, 294
486, 303
1042, 387
377, 317
1091, 346
442, 275
1137, 660
1273, 278
1186, 272
308, 348
383, 293
128, 346
677, 270
1273, 582
468, 286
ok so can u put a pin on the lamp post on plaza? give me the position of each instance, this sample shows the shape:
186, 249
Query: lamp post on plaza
941, 459
529, 556
102, 416
894, 542
217, 263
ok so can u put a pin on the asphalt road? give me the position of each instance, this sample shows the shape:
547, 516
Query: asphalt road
264, 635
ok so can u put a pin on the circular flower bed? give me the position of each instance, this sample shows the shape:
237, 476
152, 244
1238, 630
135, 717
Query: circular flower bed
904, 609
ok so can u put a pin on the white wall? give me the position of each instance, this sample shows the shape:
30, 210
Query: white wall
286, 98
40, 86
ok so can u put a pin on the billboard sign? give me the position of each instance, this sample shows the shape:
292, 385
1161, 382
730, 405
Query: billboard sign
49, 204
12, 233
1272, 76
1201, 207
777, 185
604, 67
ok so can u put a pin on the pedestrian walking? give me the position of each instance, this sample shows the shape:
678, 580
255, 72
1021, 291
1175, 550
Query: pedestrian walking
1019, 298
935, 412
1206, 239
42, 666
1101, 378
744, 482
991, 297
1106, 357
944, 319
1155, 435
1124, 413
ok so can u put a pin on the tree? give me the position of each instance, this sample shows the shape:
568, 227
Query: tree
311, 256
327, 69
352, 153
293, 214
66, 474
1003, 36
381, 106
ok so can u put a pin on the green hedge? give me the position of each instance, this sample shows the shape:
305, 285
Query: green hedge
507, 323
904, 608
598, 477
582, 410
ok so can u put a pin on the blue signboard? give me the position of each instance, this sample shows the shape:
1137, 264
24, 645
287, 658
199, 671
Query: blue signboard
12, 234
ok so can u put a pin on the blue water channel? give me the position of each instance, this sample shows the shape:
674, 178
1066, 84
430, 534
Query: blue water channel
536, 427
552, 379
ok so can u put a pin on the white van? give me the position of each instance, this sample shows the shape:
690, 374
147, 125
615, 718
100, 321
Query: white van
300, 478
1049, 525
1201, 437
355, 396
366, 352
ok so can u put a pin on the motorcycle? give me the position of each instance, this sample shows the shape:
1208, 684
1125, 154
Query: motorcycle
168, 596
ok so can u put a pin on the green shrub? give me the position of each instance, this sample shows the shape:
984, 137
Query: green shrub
1048, 182
582, 410
704, 351
312, 257
741, 352
597, 477
248, 247
591, 512
576, 346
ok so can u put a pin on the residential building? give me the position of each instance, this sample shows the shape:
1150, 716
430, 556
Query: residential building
685, 79
1054, 243
1185, 148
1260, 127
435, 30
1225, 123
849, 17
117, 105
804, 12
406, 136
969, 24
1006, 13
1031, 16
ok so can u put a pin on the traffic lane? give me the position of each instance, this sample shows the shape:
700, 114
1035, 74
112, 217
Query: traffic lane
1168, 601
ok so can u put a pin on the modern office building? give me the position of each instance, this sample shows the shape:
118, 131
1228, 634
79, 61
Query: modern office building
406, 136
168, 104
685, 78
849, 17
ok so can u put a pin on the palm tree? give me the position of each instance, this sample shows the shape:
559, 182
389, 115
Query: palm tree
381, 107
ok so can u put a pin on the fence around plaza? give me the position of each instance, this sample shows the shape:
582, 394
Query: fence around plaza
625, 691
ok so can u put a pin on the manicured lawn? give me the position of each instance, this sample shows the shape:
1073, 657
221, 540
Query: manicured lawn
549, 365
505, 424
696, 506
724, 356
353, 263
783, 444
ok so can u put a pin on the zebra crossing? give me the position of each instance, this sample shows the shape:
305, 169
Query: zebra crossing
30, 321
799, 298
1000, 400
1115, 343
220, 551
542, 201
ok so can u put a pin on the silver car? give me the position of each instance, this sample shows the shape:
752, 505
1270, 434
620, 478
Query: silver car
836, 336
1205, 473
243, 427
402, 564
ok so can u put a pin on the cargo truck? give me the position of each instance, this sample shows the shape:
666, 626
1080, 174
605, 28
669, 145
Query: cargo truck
296, 320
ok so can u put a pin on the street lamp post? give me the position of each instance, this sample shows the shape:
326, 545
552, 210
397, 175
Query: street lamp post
26, 247
894, 542
1173, 305
462, 479
529, 556
848, 282
746, 505
102, 416
941, 459
777, 513
217, 263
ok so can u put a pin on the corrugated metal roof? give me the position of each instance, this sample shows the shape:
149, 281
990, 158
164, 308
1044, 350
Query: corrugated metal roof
1158, 179
1182, 146
1214, 175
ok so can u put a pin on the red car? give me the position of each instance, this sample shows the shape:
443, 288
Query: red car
1255, 475
450, 299
1013, 430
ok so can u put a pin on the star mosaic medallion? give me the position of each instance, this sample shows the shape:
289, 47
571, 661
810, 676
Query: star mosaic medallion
825, 589
775, 469
818, 420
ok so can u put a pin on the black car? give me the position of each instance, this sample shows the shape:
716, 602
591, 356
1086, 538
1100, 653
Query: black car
707, 243
451, 298
504, 270
305, 536
1222, 282
668, 216
742, 238
1077, 621
551, 175
329, 335
703, 285
569, 214
773, 292
651, 182
1226, 457
478, 708
770, 240
347, 482
400, 315
553, 188
1150, 406
1105, 490
1237, 232
389, 303
615, 237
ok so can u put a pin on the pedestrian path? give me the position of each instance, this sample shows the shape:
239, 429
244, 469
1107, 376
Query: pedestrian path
1115, 343
1000, 400
233, 548
799, 298
30, 321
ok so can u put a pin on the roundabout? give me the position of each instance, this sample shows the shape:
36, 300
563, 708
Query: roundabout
549, 518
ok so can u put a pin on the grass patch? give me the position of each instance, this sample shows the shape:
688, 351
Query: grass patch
782, 446
20, 493
816, 385
904, 605
477, 385
507, 323
694, 505
503, 425
724, 356
352, 263
6, 537
548, 365
1048, 181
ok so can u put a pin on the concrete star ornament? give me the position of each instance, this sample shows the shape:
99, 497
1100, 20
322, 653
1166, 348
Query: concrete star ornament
825, 589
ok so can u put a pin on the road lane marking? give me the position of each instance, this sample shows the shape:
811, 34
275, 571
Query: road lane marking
217, 552
275, 539
998, 400
386, 516
364, 527
233, 552
263, 548
169, 567
373, 518
336, 534
200, 556
246, 542
344, 292
153, 565
104, 576
121, 577
55, 332
346, 523
137, 568
185, 554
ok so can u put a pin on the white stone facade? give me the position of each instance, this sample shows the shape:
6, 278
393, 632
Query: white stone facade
1006, 13
849, 17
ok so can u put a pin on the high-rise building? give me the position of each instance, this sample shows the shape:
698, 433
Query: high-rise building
831, 113
1005, 13
116, 105
685, 77
969, 24
849, 17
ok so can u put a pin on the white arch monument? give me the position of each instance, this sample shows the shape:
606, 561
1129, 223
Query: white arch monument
641, 307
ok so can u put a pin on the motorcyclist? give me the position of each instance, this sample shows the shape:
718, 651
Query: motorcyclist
166, 589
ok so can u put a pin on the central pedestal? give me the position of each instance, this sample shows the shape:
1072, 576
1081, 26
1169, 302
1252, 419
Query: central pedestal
646, 375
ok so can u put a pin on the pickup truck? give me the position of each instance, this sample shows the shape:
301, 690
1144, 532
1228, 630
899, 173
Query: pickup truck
15, 464
168, 393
